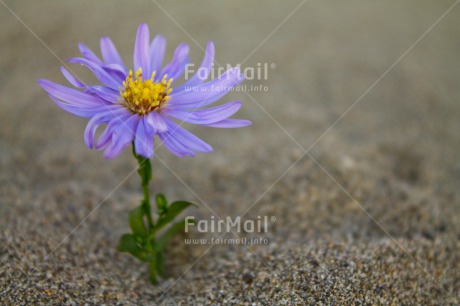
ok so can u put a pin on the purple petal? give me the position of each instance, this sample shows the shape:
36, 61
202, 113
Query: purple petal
148, 126
206, 93
72, 80
141, 51
100, 73
143, 141
177, 66
122, 136
89, 55
97, 120
157, 51
203, 72
155, 122
104, 93
116, 72
230, 123
86, 112
174, 146
186, 138
106, 137
72, 96
206, 116
110, 53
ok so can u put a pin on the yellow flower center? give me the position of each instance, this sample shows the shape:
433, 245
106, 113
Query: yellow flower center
142, 97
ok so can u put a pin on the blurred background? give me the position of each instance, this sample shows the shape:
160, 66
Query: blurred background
354, 149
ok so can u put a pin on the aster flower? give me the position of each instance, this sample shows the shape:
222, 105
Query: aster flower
137, 104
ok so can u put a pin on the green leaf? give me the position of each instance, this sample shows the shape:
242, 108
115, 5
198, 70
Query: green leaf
173, 211
129, 244
174, 229
136, 221
162, 203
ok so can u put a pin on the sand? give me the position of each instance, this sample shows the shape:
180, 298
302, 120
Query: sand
370, 215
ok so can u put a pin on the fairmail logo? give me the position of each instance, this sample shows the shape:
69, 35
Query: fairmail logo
229, 224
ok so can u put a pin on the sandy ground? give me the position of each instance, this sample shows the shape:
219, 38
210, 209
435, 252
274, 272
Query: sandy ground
369, 216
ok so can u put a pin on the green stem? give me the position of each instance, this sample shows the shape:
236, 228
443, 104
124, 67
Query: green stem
153, 272
147, 207
145, 172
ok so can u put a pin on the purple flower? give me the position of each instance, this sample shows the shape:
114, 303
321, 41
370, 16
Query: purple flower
137, 106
